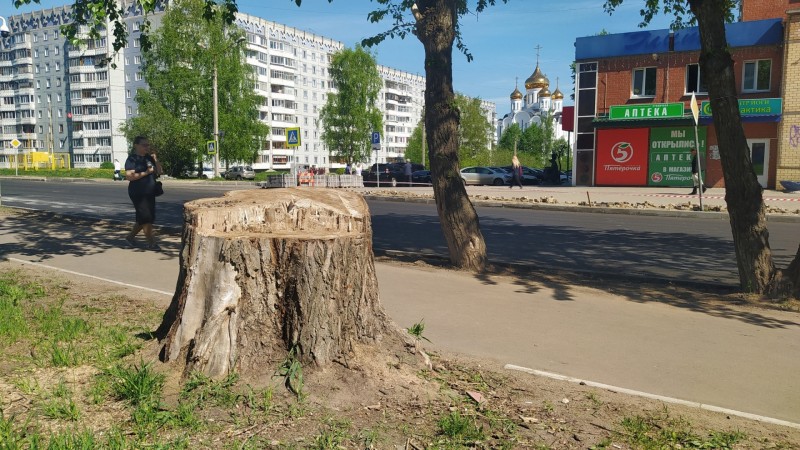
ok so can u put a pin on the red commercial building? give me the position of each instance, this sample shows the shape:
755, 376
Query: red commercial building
634, 126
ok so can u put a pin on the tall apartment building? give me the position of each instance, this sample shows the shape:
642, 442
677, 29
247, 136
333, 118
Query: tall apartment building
58, 99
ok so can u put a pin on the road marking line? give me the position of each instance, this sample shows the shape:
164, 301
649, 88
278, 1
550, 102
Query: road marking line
662, 398
89, 276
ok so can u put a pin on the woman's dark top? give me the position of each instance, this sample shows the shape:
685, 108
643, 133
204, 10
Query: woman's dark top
145, 185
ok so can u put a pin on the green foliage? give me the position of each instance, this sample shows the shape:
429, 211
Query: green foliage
176, 111
12, 318
107, 165
415, 144
136, 384
663, 431
292, 371
460, 428
351, 113
474, 131
417, 329
679, 9
203, 389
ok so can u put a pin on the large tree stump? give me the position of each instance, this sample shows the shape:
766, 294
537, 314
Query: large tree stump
263, 271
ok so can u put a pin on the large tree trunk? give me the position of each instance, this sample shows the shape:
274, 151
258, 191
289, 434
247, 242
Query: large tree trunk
436, 25
265, 271
743, 194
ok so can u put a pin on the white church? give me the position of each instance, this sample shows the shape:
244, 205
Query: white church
536, 105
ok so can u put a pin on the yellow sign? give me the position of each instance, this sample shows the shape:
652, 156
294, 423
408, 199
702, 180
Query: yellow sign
212, 147
15, 143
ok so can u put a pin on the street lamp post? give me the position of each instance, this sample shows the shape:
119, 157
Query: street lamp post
216, 109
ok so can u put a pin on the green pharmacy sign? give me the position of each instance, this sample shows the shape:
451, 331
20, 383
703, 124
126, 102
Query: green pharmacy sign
751, 107
654, 111
670, 155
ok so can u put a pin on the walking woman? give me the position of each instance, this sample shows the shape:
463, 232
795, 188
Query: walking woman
141, 169
516, 173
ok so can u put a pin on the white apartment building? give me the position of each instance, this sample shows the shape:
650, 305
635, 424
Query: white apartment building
58, 99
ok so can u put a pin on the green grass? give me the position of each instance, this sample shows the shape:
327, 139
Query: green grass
136, 384
658, 432
203, 390
459, 428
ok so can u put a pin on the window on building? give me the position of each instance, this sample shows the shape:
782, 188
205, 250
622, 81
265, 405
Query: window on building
644, 82
46, 51
136, 42
130, 110
127, 60
55, 50
138, 76
128, 93
137, 59
695, 81
58, 82
58, 66
36, 53
47, 82
757, 75
38, 86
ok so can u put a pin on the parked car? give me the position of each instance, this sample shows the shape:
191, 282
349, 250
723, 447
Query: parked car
421, 176
529, 175
485, 175
391, 174
205, 173
239, 173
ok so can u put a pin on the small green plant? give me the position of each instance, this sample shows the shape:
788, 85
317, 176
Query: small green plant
656, 432
596, 402
204, 389
64, 409
292, 371
333, 436
63, 355
548, 406
136, 384
461, 428
417, 329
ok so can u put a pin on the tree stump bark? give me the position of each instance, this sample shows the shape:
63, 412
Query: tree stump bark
264, 271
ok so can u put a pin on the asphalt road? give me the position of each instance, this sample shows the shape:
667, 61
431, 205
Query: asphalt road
677, 248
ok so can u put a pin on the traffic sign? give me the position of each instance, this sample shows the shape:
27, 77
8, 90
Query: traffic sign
15, 143
212, 147
376, 140
293, 137
695, 108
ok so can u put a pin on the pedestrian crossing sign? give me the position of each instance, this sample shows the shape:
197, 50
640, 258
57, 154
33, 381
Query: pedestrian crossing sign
293, 137
212, 147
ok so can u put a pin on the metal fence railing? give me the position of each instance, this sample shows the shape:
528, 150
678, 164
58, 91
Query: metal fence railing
305, 179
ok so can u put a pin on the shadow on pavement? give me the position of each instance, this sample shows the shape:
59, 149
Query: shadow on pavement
43, 235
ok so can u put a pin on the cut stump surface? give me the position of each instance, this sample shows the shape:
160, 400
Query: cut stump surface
265, 271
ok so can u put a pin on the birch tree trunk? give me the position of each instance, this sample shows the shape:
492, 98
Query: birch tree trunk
264, 271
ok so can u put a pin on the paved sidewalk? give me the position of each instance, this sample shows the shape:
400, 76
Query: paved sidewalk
636, 198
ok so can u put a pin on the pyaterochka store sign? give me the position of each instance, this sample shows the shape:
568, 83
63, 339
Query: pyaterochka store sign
653, 111
671, 157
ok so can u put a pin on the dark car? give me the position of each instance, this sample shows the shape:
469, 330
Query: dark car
529, 175
421, 177
391, 174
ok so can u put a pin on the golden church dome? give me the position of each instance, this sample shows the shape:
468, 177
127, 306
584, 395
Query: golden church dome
544, 92
557, 95
516, 95
537, 80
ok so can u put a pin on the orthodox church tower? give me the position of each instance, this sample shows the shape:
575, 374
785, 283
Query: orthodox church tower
536, 105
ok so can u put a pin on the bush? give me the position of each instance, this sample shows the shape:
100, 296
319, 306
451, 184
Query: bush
106, 165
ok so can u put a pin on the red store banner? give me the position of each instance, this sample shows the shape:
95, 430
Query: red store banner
622, 157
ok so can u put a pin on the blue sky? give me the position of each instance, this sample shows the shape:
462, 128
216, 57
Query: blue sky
502, 39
